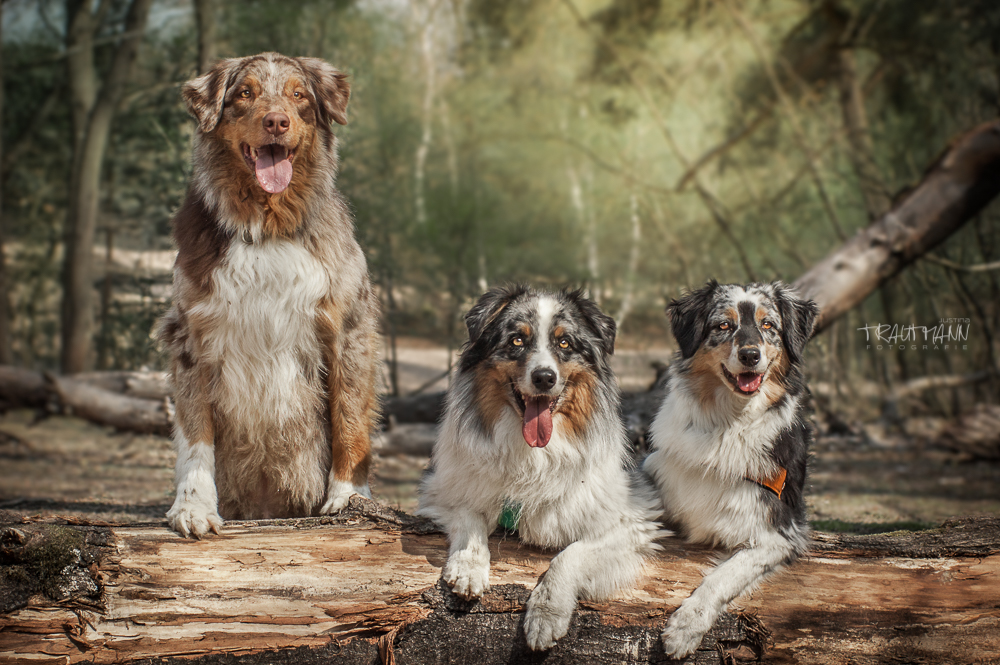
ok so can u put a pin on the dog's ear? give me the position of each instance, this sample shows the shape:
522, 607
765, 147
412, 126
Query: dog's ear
599, 323
331, 88
206, 95
689, 317
797, 320
488, 308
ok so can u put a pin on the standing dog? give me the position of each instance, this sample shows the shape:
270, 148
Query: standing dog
273, 328
532, 421
731, 439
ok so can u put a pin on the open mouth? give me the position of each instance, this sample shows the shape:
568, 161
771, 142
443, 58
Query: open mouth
272, 164
745, 382
536, 410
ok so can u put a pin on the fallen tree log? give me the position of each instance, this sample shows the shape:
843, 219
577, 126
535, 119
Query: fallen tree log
953, 189
85, 396
363, 587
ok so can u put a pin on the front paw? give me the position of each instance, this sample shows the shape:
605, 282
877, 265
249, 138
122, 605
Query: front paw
685, 630
467, 575
339, 493
548, 615
193, 518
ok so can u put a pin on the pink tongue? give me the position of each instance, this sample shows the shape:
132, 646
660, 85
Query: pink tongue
537, 428
749, 382
274, 170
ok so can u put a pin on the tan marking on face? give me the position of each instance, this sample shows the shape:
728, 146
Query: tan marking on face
706, 373
576, 407
524, 329
760, 314
492, 391
774, 385
558, 332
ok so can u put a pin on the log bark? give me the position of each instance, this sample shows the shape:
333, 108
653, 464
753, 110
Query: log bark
363, 587
953, 189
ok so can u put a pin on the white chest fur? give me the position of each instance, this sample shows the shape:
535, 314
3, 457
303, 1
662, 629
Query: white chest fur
258, 327
700, 460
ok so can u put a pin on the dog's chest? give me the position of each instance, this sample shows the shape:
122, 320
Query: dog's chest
259, 321
264, 294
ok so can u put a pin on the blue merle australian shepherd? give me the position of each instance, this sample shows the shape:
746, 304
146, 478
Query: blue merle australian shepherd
730, 441
532, 422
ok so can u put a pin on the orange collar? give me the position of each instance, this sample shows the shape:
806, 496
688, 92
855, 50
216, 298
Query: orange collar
775, 483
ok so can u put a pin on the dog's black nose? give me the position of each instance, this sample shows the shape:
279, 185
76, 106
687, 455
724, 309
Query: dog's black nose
276, 123
543, 379
749, 356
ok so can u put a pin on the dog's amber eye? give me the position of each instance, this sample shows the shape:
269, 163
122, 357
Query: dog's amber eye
724, 325
766, 325
297, 95
564, 343
517, 341
245, 94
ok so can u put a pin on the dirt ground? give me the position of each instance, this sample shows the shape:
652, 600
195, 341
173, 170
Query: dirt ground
65, 466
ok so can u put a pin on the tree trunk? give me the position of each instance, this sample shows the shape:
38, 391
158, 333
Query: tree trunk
363, 587
204, 18
5, 348
953, 189
93, 113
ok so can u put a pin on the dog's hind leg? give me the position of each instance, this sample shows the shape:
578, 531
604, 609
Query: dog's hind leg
351, 362
593, 569
195, 509
740, 573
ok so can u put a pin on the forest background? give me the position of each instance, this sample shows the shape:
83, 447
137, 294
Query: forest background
634, 147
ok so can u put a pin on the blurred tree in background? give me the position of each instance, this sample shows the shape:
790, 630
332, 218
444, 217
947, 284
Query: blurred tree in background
637, 147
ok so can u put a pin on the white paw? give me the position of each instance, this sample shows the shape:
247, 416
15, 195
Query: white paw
193, 518
548, 615
467, 575
196, 509
339, 493
685, 630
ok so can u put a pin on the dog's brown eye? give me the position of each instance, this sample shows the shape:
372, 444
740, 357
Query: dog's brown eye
517, 341
724, 326
245, 94
297, 95
564, 343
766, 325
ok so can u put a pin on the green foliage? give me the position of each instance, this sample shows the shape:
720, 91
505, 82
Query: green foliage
545, 120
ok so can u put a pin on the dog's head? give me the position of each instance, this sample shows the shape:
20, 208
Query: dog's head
539, 354
745, 336
265, 111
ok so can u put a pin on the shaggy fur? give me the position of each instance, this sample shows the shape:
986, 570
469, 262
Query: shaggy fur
272, 333
733, 417
532, 421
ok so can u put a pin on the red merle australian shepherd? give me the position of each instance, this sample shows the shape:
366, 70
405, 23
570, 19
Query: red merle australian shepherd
273, 328
731, 439
532, 422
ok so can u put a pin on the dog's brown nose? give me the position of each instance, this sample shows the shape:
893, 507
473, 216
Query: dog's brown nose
276, 123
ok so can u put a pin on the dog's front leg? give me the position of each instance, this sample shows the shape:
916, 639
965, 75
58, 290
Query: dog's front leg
467, 571
350, 354
593, 569
196, 507
740, 573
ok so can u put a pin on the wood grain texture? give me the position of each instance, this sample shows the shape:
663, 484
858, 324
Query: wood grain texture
363, 587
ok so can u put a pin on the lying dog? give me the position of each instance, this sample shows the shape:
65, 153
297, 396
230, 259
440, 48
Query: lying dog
731, 439
272, 333
532, 422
